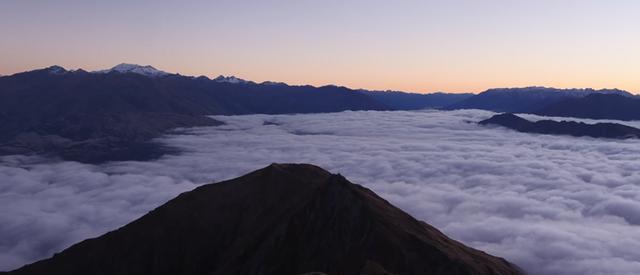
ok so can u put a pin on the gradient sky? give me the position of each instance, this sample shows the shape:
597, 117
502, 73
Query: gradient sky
421, 46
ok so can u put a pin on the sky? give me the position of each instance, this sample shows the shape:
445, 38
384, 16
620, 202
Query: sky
412, 45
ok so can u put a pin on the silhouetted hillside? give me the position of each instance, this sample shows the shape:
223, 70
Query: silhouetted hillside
283, 219
572, 128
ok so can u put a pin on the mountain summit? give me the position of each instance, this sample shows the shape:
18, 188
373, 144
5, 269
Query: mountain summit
282, 219
136, 69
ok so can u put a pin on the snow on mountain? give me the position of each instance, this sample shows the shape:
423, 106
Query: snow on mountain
136, 69
150, 71
231, 79
55, 69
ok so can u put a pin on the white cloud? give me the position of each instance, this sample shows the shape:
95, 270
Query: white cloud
552, 204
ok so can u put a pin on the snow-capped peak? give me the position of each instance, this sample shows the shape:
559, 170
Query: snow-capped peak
136, 69
230, 79
55, 69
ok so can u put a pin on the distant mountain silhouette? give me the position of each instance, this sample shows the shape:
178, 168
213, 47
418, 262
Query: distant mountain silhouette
113, 114
411, 101
283, 219
596, 106
525, 100
572, 128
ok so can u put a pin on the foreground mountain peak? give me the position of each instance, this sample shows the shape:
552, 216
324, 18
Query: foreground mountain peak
282, 219
146, 70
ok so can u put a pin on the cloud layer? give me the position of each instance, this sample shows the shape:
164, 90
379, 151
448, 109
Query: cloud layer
551, 204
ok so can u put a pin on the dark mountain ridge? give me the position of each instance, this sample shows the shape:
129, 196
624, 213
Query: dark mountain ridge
283, 219
113, 115
410, 101
527, 100
596, 106
572, 128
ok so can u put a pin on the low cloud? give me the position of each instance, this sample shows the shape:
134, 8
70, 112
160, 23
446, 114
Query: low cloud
551, 204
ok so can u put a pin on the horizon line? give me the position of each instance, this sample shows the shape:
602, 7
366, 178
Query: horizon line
213, 76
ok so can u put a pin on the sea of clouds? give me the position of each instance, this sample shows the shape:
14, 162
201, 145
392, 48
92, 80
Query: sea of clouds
551, 204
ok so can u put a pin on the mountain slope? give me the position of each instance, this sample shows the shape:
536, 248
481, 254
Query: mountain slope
572, 128
283, 219
596, 106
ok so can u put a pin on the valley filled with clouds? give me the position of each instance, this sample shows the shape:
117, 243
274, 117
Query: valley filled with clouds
550, 204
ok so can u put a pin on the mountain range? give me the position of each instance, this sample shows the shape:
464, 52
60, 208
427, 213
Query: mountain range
396, 100
284, 219
596, 106
115, 114
530, 99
